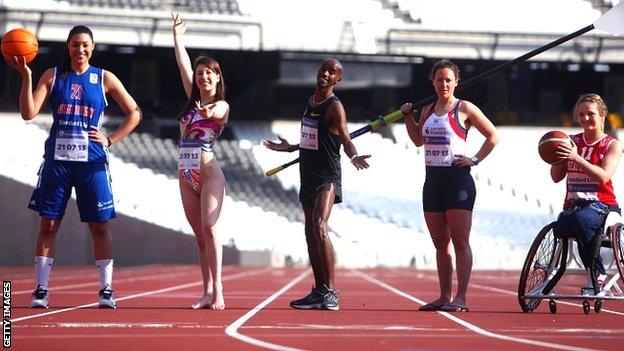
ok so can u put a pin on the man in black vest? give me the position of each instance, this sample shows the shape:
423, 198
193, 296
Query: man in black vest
323, 130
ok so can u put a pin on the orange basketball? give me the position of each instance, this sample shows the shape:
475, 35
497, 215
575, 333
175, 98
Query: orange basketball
547, 146
19, 42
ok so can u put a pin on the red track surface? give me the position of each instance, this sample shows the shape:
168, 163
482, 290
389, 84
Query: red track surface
378, 312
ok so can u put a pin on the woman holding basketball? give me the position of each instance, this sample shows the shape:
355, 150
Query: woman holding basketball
76, 154
202, 183
449, 190
592, 158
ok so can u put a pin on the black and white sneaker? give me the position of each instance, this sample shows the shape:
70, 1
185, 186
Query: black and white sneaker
311, 301
322, 298
331, 300
40, 298
107, 298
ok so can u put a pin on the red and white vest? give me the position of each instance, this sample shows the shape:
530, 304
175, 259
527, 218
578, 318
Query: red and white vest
444, 137
580, 187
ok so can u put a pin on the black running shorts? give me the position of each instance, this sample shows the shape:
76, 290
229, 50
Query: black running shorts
448, 188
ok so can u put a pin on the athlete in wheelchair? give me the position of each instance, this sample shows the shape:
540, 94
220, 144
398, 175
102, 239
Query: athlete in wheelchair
591, 217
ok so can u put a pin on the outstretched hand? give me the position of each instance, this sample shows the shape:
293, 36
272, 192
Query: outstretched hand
18, 63
179, 27
283, 145
360, 161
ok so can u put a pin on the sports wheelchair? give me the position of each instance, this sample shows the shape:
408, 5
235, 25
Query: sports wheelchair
549, 257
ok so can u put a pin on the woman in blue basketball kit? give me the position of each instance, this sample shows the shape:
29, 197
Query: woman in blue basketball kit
202, 183
76, 154
449, 190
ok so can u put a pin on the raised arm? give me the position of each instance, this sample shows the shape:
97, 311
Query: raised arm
182, 57
338, 124
114, 87
30, 103
413, 129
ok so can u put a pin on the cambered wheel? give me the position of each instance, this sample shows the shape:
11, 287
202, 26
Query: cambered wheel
617, 244
537, 265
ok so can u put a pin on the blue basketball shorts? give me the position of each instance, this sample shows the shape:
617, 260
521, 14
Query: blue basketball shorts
92, 182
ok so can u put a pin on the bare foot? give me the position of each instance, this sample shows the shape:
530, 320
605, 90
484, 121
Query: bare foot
434, 305
204, 302
217, 301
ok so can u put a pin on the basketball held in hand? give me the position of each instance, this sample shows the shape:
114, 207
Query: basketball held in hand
547, 146
19, 42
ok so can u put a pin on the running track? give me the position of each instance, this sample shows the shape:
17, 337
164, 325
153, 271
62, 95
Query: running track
378, 312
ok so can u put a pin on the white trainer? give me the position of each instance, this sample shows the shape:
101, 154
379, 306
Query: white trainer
107, 298
40, 298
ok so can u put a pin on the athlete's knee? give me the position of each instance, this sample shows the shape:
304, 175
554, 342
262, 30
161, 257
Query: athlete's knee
320, 228
461, 245
99, 229
48, 228
209, 230
441, 242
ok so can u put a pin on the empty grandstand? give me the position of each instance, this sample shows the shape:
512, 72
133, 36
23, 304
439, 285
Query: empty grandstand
269, 51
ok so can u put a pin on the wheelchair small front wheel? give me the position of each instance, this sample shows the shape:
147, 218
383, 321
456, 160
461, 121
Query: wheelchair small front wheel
598, 306
586, 308
552, 306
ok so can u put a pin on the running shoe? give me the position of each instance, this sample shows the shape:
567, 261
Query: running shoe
107, 298
322, 298
39, 298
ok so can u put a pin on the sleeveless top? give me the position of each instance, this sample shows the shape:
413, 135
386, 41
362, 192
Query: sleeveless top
319, 149
77, 102
206, 130
443, 136
580, 187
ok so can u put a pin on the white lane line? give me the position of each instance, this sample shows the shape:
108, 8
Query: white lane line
471, 326
129, 297
515, 293
232, 329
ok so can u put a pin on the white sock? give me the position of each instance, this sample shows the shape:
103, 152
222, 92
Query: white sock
105, 267
43, 266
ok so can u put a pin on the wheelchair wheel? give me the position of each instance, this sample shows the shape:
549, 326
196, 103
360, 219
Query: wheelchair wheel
617, 243
537, 265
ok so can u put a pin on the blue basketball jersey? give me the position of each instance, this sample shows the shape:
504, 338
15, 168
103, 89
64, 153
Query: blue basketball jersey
77, 103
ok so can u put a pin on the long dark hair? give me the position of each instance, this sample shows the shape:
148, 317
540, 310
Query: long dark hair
195, 96
66, 59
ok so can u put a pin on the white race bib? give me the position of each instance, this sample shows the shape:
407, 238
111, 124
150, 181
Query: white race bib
190, 154
71, 146
309, 134
437, 152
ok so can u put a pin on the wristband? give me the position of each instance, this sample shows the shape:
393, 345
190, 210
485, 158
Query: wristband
353, 157
475, 160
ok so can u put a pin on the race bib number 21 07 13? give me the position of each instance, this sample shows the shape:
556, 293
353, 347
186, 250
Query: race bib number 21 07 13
71, 146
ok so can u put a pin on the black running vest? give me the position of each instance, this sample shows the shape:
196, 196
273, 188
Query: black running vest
322, 164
